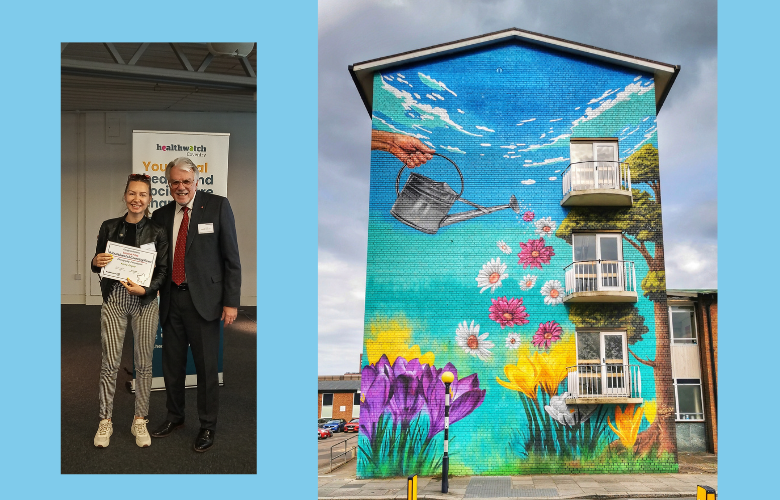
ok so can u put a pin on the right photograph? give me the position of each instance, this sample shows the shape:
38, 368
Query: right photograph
530, 306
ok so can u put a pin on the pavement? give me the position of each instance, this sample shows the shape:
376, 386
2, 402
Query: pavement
695, 469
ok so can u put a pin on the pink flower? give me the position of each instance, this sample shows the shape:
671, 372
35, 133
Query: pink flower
528, 216
534, 253
508, 313
547, 334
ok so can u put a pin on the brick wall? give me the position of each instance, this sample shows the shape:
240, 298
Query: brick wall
340, 399
475, 300
709, 352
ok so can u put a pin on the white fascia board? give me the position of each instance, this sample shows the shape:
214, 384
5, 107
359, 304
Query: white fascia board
568, 46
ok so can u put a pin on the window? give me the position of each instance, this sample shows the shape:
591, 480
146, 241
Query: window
683, 324
687, 396
600, 262
594, 164
327, 406
602, 360
356, 405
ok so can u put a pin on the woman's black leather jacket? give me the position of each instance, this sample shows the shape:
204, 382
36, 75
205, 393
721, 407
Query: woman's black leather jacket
147, 231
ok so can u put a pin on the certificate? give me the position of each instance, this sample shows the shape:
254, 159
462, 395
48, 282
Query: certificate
129, 262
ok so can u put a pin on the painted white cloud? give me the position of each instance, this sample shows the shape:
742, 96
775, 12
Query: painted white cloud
436, 85
408, 103
528, 182
623, 95
556, 120
485, 144
461, 111
453, 149
479, 127
605, 94
547, 162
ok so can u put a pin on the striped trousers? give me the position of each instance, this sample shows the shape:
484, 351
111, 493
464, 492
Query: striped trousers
113, 323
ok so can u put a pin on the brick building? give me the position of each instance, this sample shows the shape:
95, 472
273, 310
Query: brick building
694, 352
515, 239
338, 396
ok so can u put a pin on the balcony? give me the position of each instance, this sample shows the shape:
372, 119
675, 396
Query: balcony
604, 383
597, 183
600, 281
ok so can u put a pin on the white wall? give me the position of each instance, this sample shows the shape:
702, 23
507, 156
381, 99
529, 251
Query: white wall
95, 167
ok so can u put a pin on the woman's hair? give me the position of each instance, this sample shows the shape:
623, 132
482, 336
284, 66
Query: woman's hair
146, 180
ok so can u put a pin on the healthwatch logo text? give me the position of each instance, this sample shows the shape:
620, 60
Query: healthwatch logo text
179, 147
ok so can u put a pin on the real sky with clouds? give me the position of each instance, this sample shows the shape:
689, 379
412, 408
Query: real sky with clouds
351, 31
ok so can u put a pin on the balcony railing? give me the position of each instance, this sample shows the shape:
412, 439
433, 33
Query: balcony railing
607, 380
600, 276
586, 175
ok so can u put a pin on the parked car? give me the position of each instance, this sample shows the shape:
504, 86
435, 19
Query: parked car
335, 425
323, 433
353, 425
322, 421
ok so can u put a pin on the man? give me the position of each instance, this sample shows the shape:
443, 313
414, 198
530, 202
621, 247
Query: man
202, 288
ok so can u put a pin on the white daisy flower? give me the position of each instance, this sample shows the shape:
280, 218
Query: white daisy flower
468, 338
545, 226
512, 341
504, 247
553, 293
528, 282
491, 275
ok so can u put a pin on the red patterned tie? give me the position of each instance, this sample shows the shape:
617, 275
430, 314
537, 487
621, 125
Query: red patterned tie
178, 255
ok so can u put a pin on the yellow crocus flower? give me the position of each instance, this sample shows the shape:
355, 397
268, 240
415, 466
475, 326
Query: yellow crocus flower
523, 377
627, 423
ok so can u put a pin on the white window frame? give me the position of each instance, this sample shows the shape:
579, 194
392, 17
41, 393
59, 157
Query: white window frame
678, 418
604, 267
694, 327
597, 179
605, 390
323, 405
356, 407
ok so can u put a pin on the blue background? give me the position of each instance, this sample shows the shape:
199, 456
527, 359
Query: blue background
30, 131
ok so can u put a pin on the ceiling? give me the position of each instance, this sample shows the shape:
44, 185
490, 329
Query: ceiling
155, 77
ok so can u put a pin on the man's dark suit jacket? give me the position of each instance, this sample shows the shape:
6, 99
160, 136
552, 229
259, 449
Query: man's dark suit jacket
211, 262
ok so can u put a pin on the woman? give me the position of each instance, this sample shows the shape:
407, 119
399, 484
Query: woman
123, 299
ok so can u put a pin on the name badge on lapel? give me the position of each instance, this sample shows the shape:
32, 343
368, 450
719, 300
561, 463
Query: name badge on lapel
205, 228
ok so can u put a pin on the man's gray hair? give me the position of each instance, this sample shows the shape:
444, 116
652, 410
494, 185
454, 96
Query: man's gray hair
182, 163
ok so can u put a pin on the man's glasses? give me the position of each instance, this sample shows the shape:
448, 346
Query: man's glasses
186, 183
138, 177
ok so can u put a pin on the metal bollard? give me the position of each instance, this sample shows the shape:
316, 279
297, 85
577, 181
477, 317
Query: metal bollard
411, 488
447, 378
705, 493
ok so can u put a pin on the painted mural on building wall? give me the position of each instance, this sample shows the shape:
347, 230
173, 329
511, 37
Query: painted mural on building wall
467, 251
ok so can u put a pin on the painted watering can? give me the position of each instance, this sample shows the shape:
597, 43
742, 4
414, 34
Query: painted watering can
424, 204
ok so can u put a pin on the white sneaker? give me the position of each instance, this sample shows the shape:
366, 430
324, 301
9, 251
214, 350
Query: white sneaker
105, 429
138, 429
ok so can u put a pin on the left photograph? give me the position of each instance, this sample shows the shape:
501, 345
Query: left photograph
158, 258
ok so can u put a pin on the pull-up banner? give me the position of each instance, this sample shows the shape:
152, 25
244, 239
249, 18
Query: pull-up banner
152, 151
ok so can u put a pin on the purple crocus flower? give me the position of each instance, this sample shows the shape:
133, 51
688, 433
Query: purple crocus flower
375, 390
405, 401
407, 388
